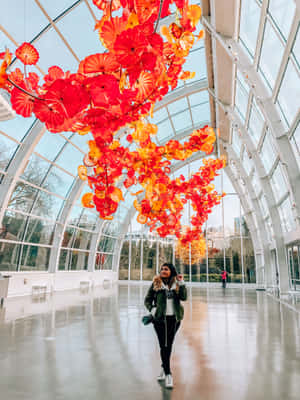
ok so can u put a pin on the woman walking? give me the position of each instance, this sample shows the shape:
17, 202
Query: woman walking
163, 301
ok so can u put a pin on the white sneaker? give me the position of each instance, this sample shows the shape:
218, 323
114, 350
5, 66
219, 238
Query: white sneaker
162, 375
169, 381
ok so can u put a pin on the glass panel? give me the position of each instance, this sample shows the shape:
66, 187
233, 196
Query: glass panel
8, 148
68, 237
82, 240
106, 244
23, 197
103, 261
241, 100
198, 98
165, 252
124, 260
232, 215
73, 260
201, 114
271, 55
249, 22
34, 258
26, 18
149, 259
286, 215
47, 205
196, 62
178, 106
165, 130
88, 220
56, 7
256, 123
39, 231
74, 216
282, 12
268, 152
249, 260
58, 182
289, 93
295, 140
278, 183
215, 244
9, 256
135, 259
53, 51
17, 127
159, 116
36, 170
70, 158
13, 226
50, 145
85, 40
236, 141
182, 121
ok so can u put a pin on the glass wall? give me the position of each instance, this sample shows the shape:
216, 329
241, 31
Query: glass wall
228, 242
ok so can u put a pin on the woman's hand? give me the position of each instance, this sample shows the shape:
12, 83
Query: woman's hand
179, 277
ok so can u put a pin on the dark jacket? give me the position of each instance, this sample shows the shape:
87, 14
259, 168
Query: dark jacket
157, 297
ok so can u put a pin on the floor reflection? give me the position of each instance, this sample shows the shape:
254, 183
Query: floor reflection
233, 344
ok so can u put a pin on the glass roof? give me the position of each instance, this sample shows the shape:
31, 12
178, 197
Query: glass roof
63, 32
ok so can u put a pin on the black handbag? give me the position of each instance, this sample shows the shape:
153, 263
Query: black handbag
147, 319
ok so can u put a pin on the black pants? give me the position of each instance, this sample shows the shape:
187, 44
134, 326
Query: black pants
166, 331
224, 283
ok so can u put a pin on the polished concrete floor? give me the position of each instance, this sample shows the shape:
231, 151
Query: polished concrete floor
237, 345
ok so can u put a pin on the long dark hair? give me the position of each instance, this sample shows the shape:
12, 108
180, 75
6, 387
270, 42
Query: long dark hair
169, 281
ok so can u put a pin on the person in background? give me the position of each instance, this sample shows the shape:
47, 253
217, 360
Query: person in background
224, 278
163, 301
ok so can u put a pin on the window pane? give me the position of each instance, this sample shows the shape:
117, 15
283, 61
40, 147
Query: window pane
8, 148
282, 12
82, 239
278, 183
256, 123
50, 145
17, 127
236, 141
34, 258
271, 55
47, 205
35, 170
106, 244
286, 216
9, 256
149, 259
58, 182
289, 93
165, 130
241, 100
201, 114
124, 260
26, 18
268, 152
182, 121
249, 22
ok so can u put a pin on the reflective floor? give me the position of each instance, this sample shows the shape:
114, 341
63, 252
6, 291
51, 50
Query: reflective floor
236, 344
